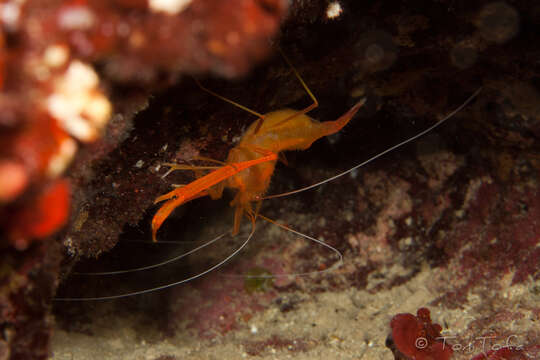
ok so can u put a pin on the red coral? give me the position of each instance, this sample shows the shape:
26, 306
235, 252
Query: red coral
50, 89
41, 219
418, 338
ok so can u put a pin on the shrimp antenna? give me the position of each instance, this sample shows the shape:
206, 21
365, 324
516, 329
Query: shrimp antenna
304, 85
334, 266
315, 103
143, 268
245, 108
390, 149
166, 286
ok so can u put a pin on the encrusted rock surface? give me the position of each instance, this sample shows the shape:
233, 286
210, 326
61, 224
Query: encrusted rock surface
449, 222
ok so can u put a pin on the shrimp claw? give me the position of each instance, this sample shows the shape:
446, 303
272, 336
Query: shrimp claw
200, 187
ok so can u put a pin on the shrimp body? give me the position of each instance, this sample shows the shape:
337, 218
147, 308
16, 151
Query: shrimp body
280, 131
250, 164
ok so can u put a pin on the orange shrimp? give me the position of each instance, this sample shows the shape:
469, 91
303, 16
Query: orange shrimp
245, 169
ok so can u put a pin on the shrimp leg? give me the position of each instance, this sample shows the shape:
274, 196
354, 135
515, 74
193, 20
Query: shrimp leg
200, 187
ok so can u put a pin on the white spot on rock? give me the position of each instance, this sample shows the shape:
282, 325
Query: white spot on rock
76, 18
171, 7
60, 161
56, 55
334, 10
10, 12
77, 103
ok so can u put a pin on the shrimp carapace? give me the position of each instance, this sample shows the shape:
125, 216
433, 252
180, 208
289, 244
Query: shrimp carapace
297, 132
250, 164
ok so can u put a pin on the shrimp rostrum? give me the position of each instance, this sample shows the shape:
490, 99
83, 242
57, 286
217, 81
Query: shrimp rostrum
250, 164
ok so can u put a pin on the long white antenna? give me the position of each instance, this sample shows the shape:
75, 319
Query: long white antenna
334, 266
176, 258
146, 291
380, 154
